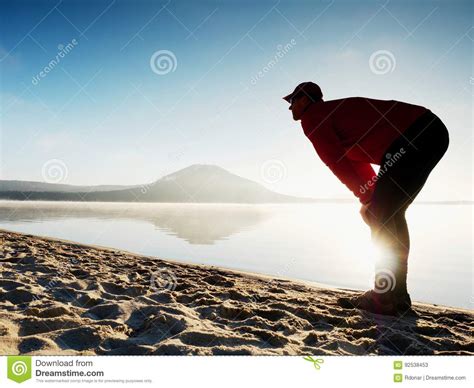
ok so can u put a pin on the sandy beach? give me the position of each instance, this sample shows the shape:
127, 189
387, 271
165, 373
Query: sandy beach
61, 298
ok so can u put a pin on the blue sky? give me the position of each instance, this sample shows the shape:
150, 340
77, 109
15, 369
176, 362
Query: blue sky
105, 117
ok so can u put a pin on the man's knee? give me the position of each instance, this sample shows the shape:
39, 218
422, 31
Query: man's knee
386, 220
380, 214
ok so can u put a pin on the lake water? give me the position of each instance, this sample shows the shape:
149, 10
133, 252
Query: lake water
324, 242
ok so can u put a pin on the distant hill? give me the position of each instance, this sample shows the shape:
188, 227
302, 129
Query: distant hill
198, 183
24, 186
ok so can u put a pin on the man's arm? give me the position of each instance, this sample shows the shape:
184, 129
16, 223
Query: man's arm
357, 176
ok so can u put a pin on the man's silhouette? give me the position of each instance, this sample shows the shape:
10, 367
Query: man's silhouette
406, 141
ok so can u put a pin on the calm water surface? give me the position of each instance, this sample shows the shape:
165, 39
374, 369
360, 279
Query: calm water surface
324, 242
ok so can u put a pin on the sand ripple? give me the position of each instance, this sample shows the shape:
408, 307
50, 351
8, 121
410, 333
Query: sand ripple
58, 297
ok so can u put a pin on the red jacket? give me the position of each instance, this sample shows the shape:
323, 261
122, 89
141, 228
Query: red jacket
351, 133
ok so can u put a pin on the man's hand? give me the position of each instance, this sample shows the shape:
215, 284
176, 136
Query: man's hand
365, 213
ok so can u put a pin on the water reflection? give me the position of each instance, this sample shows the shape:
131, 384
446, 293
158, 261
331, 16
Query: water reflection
202, 224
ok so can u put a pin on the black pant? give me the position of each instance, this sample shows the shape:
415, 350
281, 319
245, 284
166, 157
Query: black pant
407, 164
403, 172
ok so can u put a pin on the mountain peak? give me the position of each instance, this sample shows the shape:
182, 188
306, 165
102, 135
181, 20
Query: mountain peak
198, 171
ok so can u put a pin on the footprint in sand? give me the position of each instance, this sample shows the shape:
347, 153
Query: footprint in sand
239, 313
105, 311
157, 328
217, 280
272, 315
35, 344
50, 312
169, 350
33, 325
9, 285
17, 296
127, 290
81, 338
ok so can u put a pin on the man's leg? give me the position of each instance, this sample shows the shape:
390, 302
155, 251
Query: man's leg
394, 192
392, 240
404, 239
424, 144
390, 235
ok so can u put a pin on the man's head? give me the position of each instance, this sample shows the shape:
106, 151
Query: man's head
303, 95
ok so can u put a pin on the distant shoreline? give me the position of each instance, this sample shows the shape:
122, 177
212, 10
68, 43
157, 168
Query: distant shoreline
308, 201
183, 186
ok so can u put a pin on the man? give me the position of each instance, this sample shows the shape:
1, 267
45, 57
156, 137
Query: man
406, 141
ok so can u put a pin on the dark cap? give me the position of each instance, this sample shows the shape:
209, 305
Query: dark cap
309, 89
